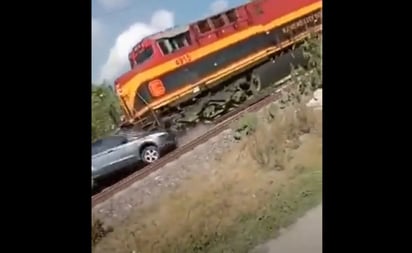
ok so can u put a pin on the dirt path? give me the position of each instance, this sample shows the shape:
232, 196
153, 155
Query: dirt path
305, 236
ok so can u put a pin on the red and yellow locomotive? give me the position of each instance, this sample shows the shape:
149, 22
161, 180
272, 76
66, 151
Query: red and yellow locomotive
199, 71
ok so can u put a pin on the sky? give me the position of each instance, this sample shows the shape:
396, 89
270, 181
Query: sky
117, 25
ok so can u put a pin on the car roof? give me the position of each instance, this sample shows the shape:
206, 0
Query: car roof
136, 133
109, 138
121, 135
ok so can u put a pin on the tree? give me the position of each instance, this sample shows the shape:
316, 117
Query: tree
105, 110
308, 78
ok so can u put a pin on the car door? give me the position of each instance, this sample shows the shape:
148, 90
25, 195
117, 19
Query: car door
126, 154
111, 155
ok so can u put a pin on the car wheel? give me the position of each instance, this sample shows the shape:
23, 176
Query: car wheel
150, 154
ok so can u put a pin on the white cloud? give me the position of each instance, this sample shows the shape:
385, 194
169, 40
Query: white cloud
113, 4
162, 19
117, 62
218, 6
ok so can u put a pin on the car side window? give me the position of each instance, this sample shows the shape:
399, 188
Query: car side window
97, 147
102, 145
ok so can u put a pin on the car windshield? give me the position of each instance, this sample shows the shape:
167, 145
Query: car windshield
104, 144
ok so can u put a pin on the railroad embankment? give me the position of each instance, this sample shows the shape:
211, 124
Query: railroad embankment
263, 183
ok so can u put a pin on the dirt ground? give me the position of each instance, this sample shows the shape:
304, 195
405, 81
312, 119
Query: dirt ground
305, 236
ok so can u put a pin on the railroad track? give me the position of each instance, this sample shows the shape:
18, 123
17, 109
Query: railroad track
220, 124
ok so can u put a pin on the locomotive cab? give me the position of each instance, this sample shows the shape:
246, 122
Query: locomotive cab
141, 54
158, 47
146, 54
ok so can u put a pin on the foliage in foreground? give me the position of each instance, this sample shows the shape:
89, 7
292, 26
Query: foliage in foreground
105, 110
303, 81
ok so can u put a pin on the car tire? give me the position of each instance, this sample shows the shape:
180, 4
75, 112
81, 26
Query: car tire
150, 154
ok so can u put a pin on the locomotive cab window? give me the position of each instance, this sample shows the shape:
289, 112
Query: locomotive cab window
143, 55
166, 46
182, 40
170, 45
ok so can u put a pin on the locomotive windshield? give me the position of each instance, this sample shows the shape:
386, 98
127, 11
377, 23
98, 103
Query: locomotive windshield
141, 56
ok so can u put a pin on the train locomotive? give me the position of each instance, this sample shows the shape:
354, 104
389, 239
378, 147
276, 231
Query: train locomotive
197, 72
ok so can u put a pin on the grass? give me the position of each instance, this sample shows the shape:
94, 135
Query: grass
271, 177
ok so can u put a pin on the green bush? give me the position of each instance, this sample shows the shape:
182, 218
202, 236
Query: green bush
246, 125
105, 110
307, 81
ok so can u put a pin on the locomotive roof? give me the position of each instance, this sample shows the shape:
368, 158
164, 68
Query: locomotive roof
171, 32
